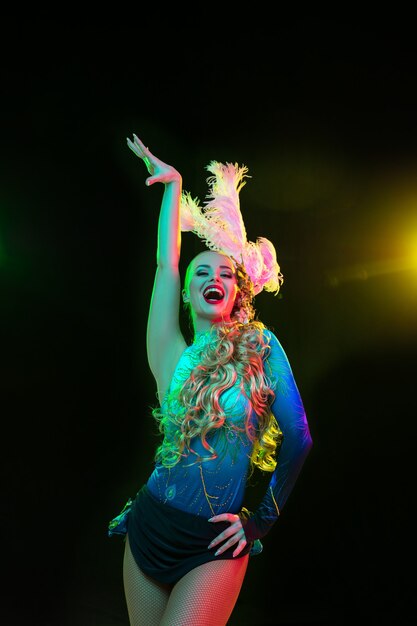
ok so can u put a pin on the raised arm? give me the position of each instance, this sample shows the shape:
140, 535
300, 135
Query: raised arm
164, 339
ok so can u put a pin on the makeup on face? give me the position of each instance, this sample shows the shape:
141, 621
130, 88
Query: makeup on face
211, 285
218, 278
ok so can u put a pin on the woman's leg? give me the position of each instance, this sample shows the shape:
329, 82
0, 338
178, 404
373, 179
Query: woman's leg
206, 596
146, 598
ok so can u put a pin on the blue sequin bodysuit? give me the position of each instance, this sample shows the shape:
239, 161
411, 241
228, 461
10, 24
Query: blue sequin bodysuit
211, 487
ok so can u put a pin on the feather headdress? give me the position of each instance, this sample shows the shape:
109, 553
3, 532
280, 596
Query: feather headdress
220, 225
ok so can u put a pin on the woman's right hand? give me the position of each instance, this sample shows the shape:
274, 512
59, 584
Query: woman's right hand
159, 171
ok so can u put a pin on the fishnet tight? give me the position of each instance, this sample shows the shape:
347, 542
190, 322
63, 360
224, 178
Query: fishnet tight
205, 596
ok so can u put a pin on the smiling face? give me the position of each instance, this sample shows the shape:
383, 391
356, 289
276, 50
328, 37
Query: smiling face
210, 289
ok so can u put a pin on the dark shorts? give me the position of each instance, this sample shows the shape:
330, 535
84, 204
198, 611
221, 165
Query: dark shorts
167, 543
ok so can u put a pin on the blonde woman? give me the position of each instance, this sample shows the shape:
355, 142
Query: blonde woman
228, 404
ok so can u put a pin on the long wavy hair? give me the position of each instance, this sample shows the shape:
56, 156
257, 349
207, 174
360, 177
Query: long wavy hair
235, 356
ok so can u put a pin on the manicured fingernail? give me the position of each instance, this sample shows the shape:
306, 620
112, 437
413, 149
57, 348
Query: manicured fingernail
217, 553
209, 546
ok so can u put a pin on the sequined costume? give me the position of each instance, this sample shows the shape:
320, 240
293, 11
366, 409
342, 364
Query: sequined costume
208, 488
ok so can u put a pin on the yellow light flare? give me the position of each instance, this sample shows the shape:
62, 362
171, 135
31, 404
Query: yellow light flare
411, 245
398, 234
364, 271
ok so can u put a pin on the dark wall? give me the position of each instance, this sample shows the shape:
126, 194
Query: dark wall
323, 114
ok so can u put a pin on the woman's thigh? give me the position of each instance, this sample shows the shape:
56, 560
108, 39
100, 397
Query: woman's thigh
206, 595
146, 598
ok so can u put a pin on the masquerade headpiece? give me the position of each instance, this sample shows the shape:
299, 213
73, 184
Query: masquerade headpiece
220, 225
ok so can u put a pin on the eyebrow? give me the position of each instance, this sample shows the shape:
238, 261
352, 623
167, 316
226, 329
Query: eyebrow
224, 267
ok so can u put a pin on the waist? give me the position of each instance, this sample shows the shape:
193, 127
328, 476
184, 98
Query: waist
202, 489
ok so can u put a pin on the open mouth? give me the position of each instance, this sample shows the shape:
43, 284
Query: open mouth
213, 294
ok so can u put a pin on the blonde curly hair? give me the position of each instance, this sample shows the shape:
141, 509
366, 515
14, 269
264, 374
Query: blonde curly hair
236, 356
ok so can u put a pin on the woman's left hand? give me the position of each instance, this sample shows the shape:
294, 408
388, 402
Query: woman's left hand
234, 534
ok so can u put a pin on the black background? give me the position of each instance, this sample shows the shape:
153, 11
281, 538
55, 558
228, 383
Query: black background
322, 111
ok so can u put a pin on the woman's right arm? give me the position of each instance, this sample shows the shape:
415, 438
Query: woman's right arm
164, 340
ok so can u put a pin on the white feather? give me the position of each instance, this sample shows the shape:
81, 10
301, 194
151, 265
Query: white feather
220, 225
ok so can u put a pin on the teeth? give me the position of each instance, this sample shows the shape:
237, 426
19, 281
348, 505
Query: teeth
213, 291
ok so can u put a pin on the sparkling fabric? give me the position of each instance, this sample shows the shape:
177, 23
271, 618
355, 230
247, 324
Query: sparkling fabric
215, 486
218, 485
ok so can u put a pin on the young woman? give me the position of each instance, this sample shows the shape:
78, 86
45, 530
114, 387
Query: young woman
228, 403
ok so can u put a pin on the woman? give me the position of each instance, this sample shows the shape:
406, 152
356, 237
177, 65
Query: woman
228, 403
